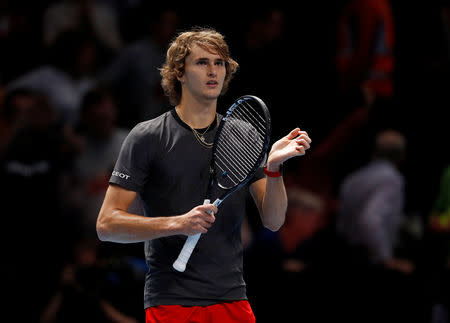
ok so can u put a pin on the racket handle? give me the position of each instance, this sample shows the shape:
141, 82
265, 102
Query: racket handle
185, 253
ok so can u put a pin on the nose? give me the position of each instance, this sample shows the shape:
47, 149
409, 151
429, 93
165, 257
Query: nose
212, 71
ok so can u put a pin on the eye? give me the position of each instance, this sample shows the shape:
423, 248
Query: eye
201, 62
220, 63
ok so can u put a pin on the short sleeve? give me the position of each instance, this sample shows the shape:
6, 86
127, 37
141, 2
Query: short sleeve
131, 170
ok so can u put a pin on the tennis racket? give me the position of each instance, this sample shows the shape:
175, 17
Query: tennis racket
240, 147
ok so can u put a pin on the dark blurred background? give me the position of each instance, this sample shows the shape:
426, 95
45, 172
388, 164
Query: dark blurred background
76, 76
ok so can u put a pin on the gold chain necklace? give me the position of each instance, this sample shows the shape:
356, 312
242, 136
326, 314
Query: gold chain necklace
201, 136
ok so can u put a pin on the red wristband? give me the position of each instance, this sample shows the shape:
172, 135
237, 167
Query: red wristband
273, 174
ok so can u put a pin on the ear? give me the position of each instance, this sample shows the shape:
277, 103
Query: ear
180, 77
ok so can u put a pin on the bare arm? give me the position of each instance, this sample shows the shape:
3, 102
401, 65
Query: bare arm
270, 197
115, 224
270, 194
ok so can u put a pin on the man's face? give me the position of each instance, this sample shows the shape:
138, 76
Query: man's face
204, 74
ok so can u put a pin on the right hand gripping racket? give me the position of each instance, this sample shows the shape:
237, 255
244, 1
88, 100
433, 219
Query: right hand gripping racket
240, 147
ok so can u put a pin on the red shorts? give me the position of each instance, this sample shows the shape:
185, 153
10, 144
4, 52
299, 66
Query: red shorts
233, 312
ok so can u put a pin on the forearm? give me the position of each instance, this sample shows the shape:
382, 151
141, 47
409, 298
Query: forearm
274, 203
120, 226
115, 224
274, 200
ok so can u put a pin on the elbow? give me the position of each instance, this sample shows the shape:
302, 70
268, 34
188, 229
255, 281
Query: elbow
273, 226
101, 231
273, 213
102, 228
274, 223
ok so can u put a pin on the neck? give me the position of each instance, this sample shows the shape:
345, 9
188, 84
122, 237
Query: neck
195, 113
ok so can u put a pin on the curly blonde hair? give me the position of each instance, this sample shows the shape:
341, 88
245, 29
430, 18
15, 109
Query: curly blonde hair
180, 48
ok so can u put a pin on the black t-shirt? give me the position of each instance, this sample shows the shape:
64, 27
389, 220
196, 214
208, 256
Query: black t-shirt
169, 169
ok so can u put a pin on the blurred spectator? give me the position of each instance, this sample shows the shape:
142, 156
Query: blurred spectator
70, 73
81, 293
365, 51
372, 200
19, 39
101, 140
14, 114
134, 76
370, 216
92, 16
32, 161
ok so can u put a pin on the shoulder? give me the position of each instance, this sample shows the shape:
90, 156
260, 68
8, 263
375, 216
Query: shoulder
152, 127
387, 168
384, 173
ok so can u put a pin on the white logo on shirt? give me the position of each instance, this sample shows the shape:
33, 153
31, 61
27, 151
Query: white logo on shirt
121, 175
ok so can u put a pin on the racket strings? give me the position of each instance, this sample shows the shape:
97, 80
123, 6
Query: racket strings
251, 153
240, 144
238, 132
232, 166
258, 121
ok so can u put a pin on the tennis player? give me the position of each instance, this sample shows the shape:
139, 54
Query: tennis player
165, 162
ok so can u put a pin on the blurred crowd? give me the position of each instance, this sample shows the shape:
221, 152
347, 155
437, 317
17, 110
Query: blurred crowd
367, 232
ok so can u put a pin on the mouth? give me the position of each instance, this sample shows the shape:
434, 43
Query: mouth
212, 83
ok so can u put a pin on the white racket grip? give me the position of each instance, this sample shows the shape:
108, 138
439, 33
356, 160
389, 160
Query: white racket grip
185, 253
